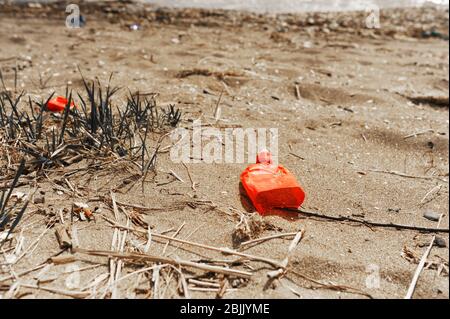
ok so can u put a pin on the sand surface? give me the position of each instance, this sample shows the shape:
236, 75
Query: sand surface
346, 132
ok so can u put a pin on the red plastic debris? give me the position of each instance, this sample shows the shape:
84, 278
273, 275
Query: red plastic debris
58, 104
271, 186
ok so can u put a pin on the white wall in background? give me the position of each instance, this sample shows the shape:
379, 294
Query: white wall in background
278, 6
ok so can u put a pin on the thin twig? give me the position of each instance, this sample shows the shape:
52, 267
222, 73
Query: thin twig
150, 258
407, 175
259, 240
218, 110
297, 92
25, 272
33, 246
366, 222
187, 237
114, 204
190, 177
184, 284
73, 294
436, 188
282, 270
227, 251
331, 286
174, 235
418, 133
421, 265
210, 289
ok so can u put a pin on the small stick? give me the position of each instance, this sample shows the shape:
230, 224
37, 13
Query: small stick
137, 272
187, 237
203, 283
33, 246
418, 133
210, 289
294, 243
25, 272
8, 59
295, 292
422, 262
61, 216
83, 269
176, 176
43, 271
145, 257
258, 240
120, 248
73, 294
74, 235
223, 289
221, 250
149, 240
155, 279
115, 209
296, 155
134, 205
297, 92
63, 237
438, 188
406, 175
3, 83
190, 177
184, 284
112, 263
93, 284
366, 222
332, 286
218, 110
61, 260
174, 235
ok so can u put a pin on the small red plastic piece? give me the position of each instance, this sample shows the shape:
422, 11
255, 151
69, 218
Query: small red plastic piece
271, 186
58, 104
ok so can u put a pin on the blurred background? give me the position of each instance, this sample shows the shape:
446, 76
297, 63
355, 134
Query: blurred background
279, 6
293, 5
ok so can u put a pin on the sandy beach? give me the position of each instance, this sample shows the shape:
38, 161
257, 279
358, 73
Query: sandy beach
362, 120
